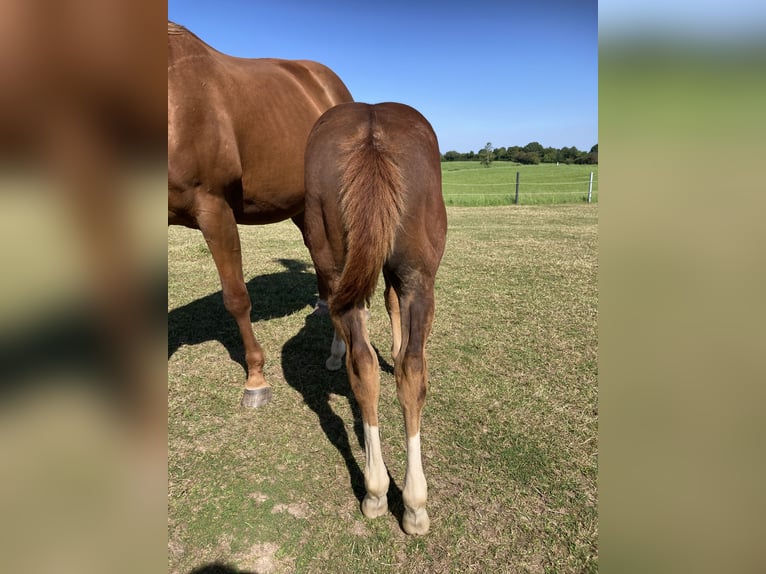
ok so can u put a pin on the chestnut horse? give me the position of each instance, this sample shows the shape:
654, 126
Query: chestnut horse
237, 131
374, 202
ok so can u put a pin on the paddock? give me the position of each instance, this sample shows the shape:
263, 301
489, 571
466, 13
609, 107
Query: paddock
509, 429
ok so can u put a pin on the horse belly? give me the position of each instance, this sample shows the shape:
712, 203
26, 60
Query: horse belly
269, 205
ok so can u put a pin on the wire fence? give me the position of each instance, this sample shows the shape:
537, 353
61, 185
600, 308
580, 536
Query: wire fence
522, 192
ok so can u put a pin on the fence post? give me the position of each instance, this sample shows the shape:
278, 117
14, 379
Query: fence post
590, 186
516, 201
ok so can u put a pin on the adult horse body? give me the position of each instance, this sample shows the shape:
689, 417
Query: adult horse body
374, 201
237, 131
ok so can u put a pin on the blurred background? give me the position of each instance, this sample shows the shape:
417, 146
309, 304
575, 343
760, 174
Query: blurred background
681, 284
82, 286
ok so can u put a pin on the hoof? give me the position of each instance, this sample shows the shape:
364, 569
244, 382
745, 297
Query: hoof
320, 309
254, 398
334, 363
374, 506
416, 521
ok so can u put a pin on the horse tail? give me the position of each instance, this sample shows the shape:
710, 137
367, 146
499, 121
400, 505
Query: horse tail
371, 206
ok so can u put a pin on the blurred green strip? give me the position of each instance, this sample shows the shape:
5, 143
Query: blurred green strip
681, 307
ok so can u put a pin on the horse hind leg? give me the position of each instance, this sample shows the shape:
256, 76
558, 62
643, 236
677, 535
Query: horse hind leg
392, 306
364, 377
220, 232
411, 374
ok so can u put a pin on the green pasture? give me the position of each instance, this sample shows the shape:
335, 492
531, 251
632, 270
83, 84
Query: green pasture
469, 183
510, 425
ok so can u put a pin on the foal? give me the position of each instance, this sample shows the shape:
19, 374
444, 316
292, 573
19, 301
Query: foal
374, 202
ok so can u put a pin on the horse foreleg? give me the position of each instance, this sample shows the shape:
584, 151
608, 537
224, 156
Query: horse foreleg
337, 350
320, 308
216, 221
364, 376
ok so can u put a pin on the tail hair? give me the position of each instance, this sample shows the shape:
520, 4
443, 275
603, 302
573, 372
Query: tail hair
372, 203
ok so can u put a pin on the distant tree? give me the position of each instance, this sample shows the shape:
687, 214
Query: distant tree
529, 158
485, 155
534, 148
532, 153
569, 154
593, 154
550, 155
513, 153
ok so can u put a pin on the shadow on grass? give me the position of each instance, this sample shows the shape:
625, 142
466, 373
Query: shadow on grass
303, 357
219, 568
303, 360
273, 295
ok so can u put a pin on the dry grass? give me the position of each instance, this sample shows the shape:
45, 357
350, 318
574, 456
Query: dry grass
509, 432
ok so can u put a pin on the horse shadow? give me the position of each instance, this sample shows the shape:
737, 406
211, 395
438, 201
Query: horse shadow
219, 568
273, 295
303, 360
303, 356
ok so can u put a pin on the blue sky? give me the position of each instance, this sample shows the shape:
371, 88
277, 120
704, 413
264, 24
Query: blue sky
502, 72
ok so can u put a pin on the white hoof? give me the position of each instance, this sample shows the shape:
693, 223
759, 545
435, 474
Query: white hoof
254, 398
334, 363
374, 506
416, 521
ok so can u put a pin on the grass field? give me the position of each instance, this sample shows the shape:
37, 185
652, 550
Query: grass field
469, 183
509, 430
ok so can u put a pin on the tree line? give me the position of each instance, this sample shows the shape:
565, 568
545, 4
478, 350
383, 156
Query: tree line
532, 153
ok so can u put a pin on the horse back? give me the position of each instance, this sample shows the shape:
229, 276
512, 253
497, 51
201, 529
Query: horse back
241, 124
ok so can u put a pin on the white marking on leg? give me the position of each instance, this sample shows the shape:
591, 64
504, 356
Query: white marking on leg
375, 475
337, 350
415, 493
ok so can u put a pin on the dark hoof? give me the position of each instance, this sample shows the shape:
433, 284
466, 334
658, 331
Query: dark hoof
320, 309
254, 398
